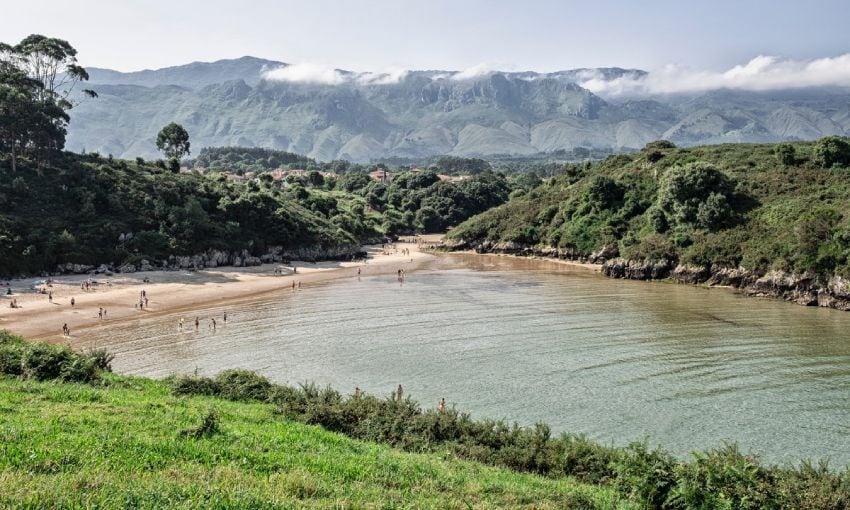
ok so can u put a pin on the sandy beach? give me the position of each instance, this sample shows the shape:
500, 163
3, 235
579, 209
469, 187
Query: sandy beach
172, 291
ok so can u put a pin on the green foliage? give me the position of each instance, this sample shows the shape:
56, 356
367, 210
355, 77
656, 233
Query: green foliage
117, 445
786, 154
239, 384
42, 362
832, 151
727, 205
250, 159
173, 140
93, 203
453, 165
695, 195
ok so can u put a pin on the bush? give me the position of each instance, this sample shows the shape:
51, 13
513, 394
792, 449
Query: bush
831, 151
786, 154
194, 385
240, 384
645, 476
101, 358
723, 478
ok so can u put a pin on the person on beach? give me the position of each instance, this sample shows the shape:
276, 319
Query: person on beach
299, 284
357, 392
212, 323
66, 331
399, 393
442, 406
225, 317
182, 320
100, 313
73, 302
358, 271
104, 313
197, 324
50, 296
146, 302
293, 284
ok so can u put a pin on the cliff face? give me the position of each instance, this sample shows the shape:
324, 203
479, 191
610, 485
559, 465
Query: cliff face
807, 289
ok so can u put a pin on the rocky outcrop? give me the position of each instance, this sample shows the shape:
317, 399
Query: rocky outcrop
808, 289
219, 258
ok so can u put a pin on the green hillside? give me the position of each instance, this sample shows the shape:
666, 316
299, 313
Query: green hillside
75, 435
763, 207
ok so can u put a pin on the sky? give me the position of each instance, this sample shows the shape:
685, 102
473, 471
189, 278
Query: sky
666, 36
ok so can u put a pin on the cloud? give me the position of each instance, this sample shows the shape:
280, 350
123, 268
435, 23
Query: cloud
759, 74
318, 73
476, 71
306, 73
388, 77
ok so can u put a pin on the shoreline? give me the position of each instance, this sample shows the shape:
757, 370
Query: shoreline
596, 268
169, 292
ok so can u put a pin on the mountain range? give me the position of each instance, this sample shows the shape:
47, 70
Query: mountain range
416, 114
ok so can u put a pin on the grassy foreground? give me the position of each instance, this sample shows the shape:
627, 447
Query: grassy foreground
130, 443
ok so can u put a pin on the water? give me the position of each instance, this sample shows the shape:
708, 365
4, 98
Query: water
681, 366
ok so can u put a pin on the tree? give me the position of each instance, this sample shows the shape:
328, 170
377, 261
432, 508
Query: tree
173, 140
831, 151
37, 76
53, 62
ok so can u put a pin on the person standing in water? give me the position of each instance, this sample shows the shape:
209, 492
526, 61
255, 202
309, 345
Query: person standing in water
225, 317
399, 393
442, 406
72, 302
197, 324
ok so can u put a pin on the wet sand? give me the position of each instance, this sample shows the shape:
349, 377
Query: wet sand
174, 291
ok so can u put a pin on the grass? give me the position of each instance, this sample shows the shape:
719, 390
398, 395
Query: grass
129, 442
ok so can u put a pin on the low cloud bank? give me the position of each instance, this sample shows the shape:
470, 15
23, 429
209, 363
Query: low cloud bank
326, 75
759, 74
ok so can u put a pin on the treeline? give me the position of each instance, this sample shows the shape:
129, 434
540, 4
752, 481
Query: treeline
91, 210
249, 159
762, 207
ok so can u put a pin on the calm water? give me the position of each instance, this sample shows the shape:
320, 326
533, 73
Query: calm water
528, 341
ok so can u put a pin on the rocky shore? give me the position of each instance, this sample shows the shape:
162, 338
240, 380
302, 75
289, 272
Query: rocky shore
219, 258
807, 289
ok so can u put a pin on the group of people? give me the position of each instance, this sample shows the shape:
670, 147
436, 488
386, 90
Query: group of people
212, 325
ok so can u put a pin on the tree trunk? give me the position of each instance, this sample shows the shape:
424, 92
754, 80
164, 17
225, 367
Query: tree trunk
14, 159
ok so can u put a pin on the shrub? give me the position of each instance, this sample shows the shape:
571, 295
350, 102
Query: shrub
696, 195
723, 478
194, 385
831, 151
645, 476
240, 384
101, 358
786, 154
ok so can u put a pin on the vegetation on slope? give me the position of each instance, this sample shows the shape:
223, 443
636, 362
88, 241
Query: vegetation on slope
763, 207
81, 209
92, 438
120, 442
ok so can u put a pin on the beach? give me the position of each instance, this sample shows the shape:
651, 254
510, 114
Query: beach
37, 317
